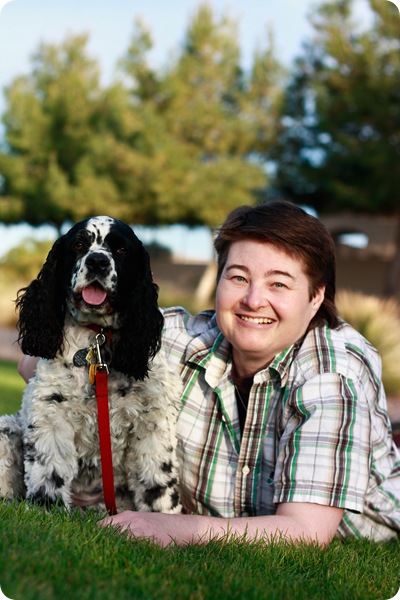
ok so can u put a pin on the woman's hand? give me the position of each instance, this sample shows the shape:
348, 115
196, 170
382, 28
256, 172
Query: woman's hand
162, 528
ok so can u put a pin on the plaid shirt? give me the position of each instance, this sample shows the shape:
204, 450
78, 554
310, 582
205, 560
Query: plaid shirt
317, 428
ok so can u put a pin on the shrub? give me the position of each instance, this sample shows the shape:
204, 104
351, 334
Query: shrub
378, 320
26, 259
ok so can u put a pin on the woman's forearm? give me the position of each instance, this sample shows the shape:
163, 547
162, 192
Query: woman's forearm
27, 367
293, 522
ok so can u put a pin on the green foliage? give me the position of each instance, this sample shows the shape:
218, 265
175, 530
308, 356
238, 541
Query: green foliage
342, 112
26, 259
56, 555
183, 145
216, 137
71, 149
378, 320
18, 267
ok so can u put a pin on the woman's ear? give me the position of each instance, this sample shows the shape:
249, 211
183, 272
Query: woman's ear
318, 298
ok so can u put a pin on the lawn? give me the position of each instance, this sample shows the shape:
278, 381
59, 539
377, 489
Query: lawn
56, 555
46, 556
11, 387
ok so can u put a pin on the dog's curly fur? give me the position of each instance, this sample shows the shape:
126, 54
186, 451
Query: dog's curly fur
96, 276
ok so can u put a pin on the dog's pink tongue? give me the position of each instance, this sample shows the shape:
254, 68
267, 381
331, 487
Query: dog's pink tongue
94, 295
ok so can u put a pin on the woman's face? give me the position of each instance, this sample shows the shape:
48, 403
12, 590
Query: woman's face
263, 303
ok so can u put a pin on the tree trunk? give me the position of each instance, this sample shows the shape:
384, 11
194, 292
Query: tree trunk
393, 277
205, 290
204, 294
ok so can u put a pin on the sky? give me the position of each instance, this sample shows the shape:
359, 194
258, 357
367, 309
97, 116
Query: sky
24, 24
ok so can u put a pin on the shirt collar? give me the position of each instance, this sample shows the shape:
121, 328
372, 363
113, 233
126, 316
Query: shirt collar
281, 363
212, 351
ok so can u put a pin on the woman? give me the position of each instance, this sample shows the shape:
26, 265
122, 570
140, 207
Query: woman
283, 429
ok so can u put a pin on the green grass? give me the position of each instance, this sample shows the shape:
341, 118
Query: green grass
55, 555
47, 556
11, 387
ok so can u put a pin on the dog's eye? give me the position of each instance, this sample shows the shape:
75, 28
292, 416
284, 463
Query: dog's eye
121, 250
78, 246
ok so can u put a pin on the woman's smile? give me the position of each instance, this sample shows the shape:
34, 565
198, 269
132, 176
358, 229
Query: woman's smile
256, 320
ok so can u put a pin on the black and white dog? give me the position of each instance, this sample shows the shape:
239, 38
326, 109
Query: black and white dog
96, 278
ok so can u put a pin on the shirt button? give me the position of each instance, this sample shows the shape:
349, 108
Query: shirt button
246, 470
245, 514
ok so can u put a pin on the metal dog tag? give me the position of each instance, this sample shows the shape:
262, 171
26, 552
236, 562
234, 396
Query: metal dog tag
79, 359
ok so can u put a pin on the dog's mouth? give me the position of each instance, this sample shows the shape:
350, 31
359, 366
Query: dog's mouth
94, 295
93, 304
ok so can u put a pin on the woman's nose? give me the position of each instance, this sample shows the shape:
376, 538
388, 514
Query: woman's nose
255, 296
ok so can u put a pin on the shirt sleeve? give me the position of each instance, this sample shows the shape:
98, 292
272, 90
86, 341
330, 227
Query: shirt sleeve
323, 455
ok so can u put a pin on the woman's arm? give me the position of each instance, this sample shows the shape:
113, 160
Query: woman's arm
312, 523
27, 367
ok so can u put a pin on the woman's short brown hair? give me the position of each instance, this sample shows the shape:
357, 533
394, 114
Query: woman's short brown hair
295, 232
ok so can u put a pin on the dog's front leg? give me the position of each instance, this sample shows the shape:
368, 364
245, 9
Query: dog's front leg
50, 459
153, 475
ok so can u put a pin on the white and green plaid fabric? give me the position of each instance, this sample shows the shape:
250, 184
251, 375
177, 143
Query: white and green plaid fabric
317, 428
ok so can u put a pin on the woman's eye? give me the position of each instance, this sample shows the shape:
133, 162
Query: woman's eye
279, 285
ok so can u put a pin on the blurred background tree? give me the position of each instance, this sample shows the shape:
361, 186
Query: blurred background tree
23, 262
212, 123
181, 146
72, 148
339, 140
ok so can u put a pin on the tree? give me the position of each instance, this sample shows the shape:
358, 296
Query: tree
72, 148
185, 144
339, 139
214, 122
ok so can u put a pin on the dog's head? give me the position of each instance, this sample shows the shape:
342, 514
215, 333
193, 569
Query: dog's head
103, 257
100, 272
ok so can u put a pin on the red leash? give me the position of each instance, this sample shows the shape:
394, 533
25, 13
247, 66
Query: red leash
98, 374
103, 417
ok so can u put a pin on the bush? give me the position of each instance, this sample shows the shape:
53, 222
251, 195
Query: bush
26, 259
378, 320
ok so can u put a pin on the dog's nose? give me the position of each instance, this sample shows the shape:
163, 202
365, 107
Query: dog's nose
97, 262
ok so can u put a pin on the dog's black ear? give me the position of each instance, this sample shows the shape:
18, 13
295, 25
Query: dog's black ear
41, 308
141, 327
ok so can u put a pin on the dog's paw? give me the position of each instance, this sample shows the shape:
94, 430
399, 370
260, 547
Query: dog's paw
41, 498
